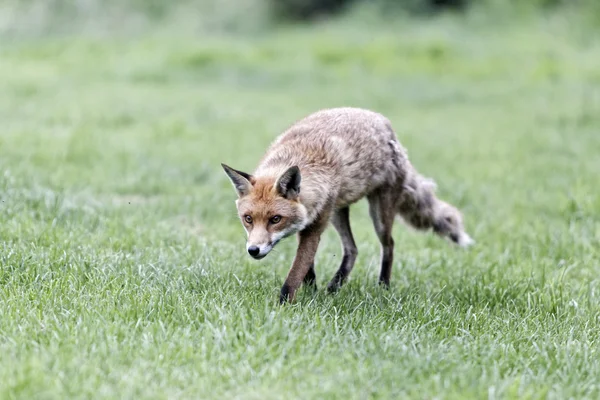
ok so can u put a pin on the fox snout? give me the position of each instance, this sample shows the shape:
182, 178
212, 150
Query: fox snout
254, 251
259, 251
259, 242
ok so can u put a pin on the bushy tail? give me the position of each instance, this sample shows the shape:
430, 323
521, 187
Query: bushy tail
417, 200
420, 208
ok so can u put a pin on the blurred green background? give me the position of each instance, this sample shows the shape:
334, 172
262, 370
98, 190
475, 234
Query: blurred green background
29, 17
123, 272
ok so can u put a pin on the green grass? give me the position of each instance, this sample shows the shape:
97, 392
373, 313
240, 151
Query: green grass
122, 264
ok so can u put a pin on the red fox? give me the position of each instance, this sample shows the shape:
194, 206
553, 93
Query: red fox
315, 171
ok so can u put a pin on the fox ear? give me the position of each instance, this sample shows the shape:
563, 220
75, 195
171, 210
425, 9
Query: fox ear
241, 180
288, 184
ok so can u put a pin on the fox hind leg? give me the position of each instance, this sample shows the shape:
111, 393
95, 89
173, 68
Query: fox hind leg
341, 222
383, 213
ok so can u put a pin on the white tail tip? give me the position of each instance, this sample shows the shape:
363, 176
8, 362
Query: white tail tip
465, 240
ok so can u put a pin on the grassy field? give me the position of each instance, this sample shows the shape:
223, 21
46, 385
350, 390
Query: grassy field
122, 263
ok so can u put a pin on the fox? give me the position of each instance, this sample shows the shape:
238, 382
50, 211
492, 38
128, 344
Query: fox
314, 171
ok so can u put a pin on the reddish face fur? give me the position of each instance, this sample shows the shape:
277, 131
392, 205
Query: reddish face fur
269, 208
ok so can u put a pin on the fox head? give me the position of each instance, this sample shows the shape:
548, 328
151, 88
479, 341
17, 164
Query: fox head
269, 208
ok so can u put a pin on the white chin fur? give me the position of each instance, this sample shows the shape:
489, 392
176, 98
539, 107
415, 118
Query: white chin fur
465, 240
264, 250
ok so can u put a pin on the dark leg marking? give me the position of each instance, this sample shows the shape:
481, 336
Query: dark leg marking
285, 293
311, 278
387, 260
341, 222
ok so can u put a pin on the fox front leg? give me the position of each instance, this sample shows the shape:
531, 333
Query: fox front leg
302, 269
308, 242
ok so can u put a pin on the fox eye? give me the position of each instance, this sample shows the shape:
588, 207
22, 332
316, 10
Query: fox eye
248, 219
276, 219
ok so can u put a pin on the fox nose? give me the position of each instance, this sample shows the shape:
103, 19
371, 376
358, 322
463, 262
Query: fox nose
253, 251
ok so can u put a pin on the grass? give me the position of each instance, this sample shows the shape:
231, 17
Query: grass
123, 273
